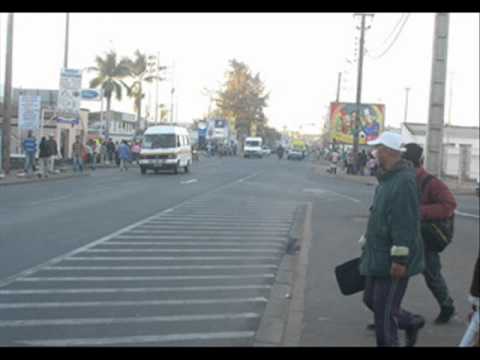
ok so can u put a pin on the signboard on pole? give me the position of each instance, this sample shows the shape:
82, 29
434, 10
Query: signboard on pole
342, 122
29, 111
69, 96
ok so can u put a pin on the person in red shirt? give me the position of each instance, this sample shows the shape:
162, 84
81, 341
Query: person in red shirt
436, 203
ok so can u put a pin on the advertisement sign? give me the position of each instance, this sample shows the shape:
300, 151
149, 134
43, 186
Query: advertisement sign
69, 96
29, 111
342, 122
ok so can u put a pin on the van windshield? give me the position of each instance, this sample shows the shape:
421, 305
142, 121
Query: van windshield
159, 141
252, 143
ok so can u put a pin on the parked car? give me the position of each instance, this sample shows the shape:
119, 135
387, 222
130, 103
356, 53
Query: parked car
266, 151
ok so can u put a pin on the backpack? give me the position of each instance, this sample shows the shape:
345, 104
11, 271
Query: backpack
436, 234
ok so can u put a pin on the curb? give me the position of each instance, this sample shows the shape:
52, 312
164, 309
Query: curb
281, 323
37, 180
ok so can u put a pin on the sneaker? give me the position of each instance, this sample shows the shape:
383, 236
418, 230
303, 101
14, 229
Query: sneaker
411, 335
445, 315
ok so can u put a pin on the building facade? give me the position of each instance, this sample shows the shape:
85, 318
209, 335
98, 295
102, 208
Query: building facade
457, 140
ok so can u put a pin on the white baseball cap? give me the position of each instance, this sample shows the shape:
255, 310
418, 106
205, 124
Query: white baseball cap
389, 139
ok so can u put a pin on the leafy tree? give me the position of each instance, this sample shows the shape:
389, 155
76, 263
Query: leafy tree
242, 99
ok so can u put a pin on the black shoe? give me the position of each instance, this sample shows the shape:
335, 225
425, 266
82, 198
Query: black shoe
371, 327
445, 315
411, 335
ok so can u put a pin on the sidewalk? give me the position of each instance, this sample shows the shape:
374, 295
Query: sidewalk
17, 177
320, 168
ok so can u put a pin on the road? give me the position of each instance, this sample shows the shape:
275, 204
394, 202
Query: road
124, 259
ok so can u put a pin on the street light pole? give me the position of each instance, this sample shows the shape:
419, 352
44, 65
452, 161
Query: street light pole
407, 89
7, 97
339, 83
67, 31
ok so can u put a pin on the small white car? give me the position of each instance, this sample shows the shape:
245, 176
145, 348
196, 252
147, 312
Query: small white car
253, 147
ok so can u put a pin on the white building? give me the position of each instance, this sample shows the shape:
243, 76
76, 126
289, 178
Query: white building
454, 137
122, 126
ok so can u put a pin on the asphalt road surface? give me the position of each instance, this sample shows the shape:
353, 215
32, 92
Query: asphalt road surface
124, 259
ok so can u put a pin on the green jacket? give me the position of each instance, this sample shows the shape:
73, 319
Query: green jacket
393, 230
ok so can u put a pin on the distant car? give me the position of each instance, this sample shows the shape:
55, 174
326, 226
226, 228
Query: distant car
295, 154
266, 151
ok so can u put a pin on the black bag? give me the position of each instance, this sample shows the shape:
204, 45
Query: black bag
437, 234
349, 279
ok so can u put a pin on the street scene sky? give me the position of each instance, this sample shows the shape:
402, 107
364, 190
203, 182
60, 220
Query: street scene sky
298, 56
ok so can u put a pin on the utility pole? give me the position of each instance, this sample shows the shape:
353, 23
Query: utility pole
67, 31
407, 89
359, 81
171, 93
7, 97
434, 142
339, 83
157, 74
450, 98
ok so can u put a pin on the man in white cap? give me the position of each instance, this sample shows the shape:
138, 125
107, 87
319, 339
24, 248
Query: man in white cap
392, 250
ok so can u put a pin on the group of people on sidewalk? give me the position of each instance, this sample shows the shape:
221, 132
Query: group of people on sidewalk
362, 164
48, 151
93, 152
410, 223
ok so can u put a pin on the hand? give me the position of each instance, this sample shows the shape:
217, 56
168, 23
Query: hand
398, 271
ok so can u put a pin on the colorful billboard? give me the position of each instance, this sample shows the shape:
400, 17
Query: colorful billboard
342, 122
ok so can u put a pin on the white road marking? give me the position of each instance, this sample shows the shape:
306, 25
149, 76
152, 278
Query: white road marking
141, 339
216, 227
246, 232
166, 267
133, 290
63, 304
165, 258
231, 244
219, 250
60, 258
191, 181
467, 214
51, 200
127, 320
324, 191
199, 237
142, 278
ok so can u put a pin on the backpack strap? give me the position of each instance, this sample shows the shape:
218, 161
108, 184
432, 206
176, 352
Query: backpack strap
425, 182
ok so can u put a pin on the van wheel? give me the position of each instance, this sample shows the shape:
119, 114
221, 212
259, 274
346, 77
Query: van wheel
143, 170
186, 169
175, 169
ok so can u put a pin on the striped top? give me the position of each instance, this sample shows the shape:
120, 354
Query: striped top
30, 145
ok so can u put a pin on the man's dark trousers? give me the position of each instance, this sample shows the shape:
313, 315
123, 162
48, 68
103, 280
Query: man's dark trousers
434, 279
384, 295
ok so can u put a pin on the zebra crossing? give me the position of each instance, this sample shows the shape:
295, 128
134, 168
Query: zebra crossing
199, 274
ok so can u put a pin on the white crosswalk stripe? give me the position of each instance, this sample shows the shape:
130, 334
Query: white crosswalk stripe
206, 264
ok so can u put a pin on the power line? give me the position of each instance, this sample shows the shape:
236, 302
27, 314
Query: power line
393, 41
392, 32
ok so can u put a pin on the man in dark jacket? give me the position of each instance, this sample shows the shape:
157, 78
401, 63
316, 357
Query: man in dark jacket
43, 155
436, 203
393, 249
53, 149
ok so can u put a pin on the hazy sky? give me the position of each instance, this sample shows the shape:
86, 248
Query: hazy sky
298, 57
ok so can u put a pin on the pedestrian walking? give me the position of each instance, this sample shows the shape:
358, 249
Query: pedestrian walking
110, 150
30, 149
392, 250
116, 156
472, 334
123, 155
334, 158
437, 203
53, 150
92, 151
77, 154
103, 152
44, 155
136, 148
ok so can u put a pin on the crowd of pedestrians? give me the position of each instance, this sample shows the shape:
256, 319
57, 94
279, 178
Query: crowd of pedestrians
95, 151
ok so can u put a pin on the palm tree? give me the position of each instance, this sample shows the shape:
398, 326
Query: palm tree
140, 73
110, 72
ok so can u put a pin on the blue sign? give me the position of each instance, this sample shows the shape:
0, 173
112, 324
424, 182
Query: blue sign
90, 94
